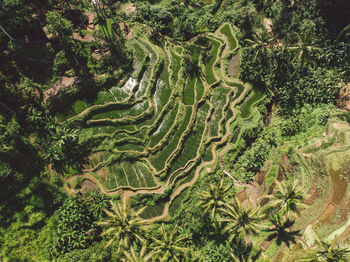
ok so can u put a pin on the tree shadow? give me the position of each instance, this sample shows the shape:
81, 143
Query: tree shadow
279, 231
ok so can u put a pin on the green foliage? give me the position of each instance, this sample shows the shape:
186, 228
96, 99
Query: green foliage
58, 25
213, 251
10, 137
168, 245
98, 202
22, 243
302, 61
73, 227
121, 227
215, 198
327, 251
94, 253
141, 200
288, 198
240, 220
61, 64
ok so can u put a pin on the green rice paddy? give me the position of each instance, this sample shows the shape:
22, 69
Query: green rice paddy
156, 129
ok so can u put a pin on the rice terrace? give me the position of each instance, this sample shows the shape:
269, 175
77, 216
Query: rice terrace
175, 130
163, 126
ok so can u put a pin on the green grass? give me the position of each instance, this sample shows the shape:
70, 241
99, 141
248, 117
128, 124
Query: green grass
130, 147
161, 96
149, 46
199, 90
164, 127
74, 109
116, 177
187, 177
153, 211
135, 110
140, 54
146, 174
271, 175
176, 204
208, 156
176, 65
235, 134
188, 95
159, 160
247, 105
164, 76
142, 87
228, 33
192, 142
133, 177
210, 77
218, 100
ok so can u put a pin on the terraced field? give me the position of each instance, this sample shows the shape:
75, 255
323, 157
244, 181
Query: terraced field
161, 128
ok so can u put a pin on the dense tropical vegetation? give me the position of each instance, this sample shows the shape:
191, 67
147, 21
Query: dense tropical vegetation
174, 130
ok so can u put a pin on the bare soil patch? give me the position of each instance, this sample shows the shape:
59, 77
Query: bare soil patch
62, 83
130, 9
344, 98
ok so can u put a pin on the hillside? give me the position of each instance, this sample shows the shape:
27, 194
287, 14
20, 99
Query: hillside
174, 130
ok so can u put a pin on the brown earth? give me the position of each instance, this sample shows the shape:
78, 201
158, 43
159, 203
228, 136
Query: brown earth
62, 83
344, 98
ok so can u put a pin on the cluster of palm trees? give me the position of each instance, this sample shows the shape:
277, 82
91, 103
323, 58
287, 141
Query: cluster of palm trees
303, 47
127, 230
245, 221
240, 221
236, 221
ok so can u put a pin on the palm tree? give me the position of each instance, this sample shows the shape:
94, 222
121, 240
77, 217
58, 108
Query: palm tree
243, 252
121, 225
260, 44
304, 47
214, 198
167, 247
240, 219
132, 256
327, 251
288, 197
279, 231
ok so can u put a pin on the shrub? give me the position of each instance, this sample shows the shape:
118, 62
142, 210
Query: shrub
72, 222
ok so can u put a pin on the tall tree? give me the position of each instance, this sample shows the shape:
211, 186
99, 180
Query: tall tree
327, 251
168, 246
240, 219
133, 256
215, 197
304, 48
122, 226
260, 43
288, 197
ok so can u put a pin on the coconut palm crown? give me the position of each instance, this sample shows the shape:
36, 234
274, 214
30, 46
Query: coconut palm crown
327, 251
288, 197
214, 198
240, 219
133, 256
168, 246
121, 225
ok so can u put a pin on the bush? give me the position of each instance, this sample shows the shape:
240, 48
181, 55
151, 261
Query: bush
72, 223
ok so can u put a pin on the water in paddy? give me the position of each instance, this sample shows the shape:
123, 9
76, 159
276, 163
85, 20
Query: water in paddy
233, 66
